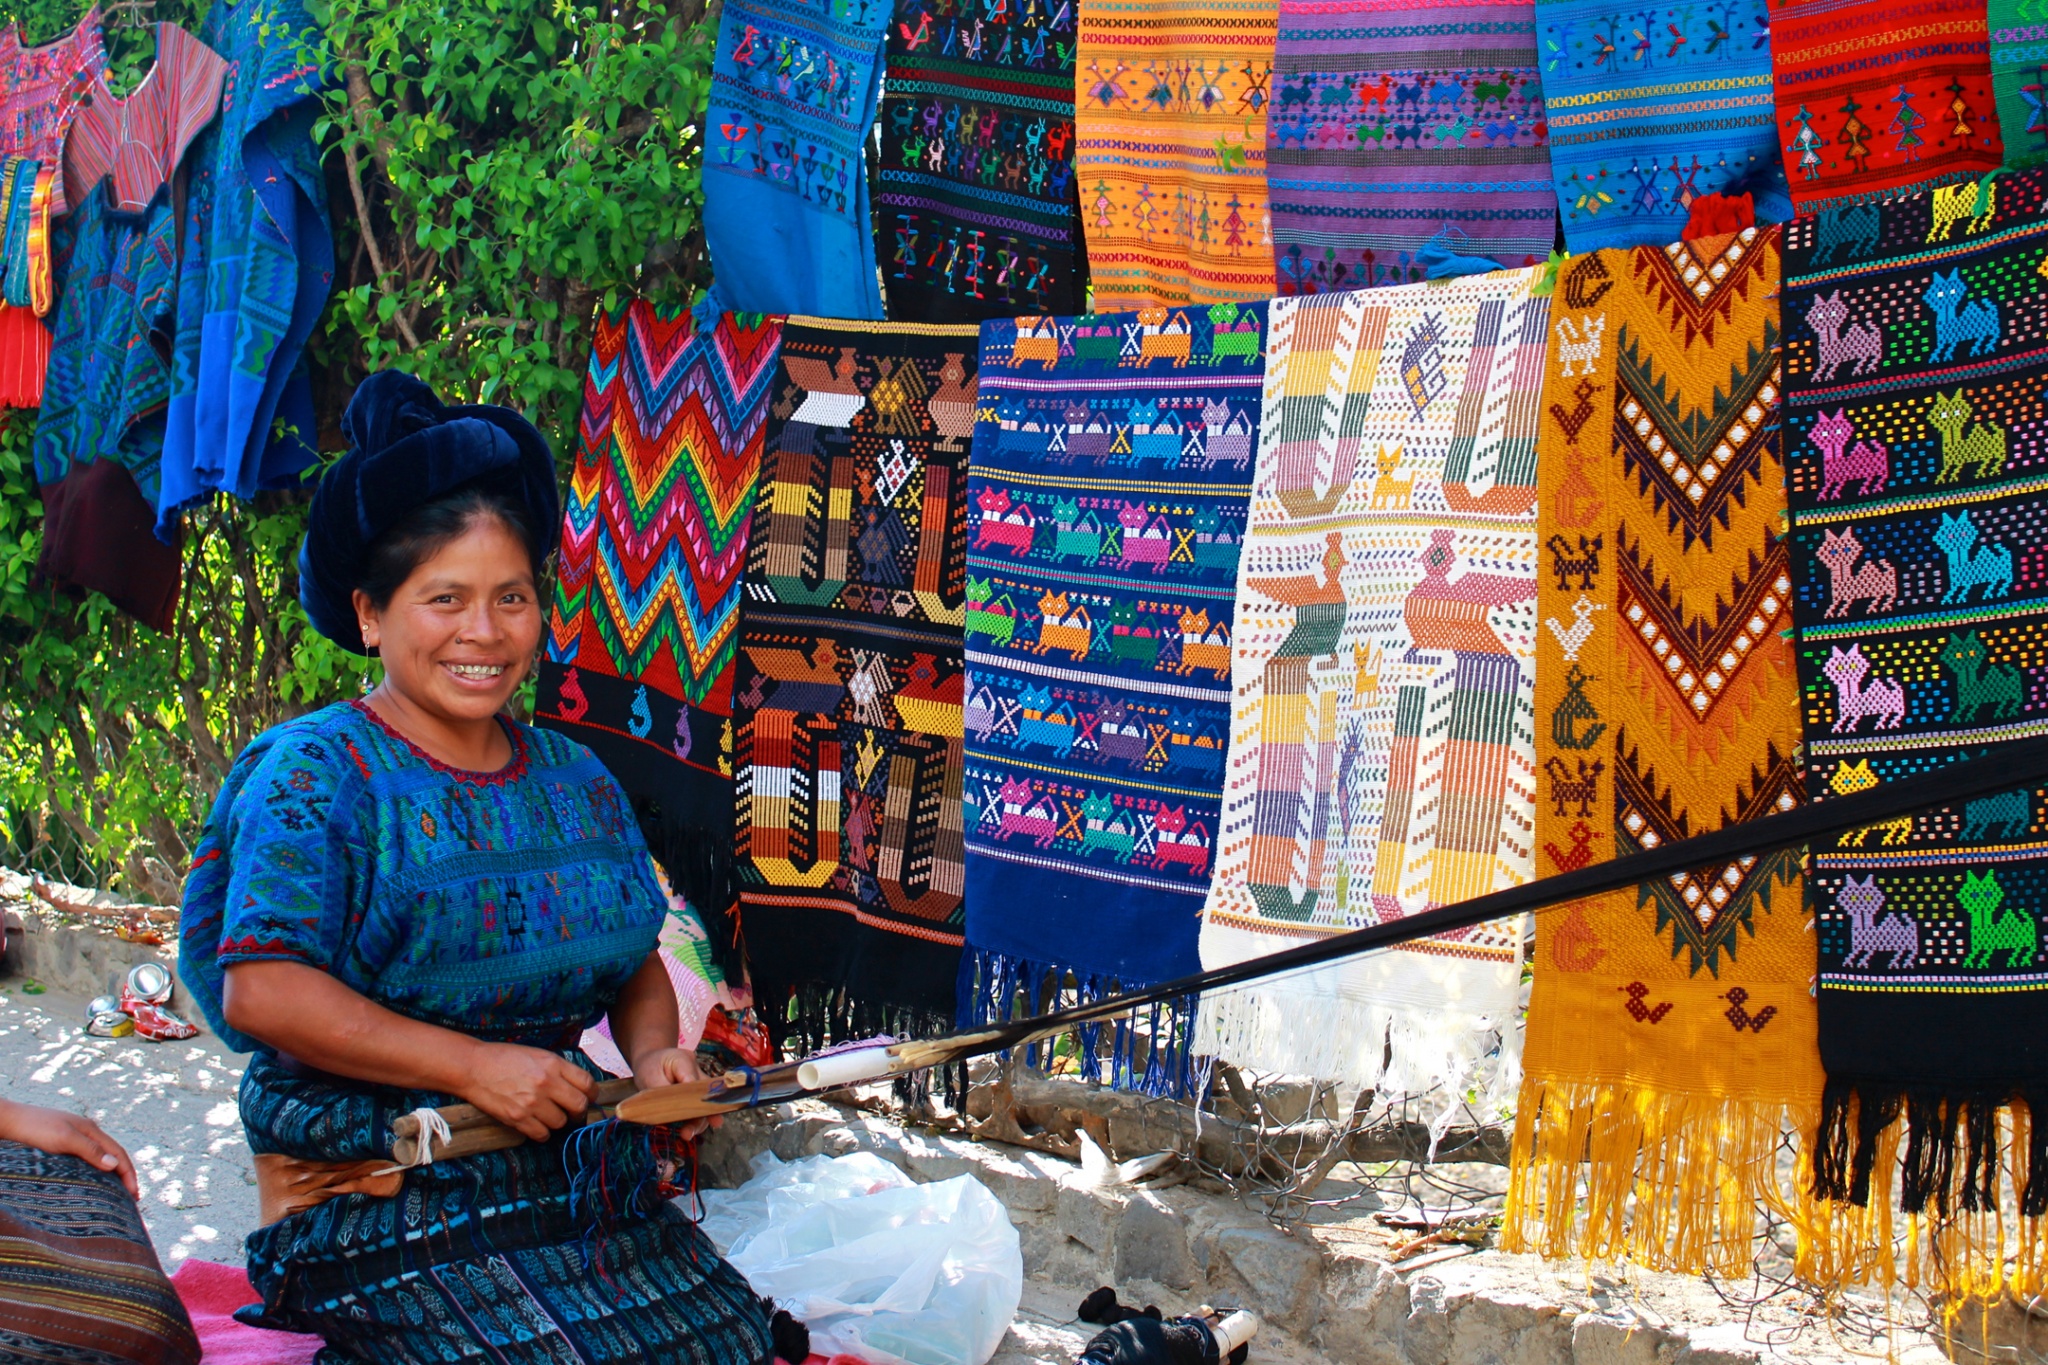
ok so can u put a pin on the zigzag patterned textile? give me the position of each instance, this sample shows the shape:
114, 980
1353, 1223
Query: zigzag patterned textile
1671, 1033
1394, 120
1107, 498
1878, 99
2019, 53
786, 215
977, 211
1649, 114
1915, 426
644, 629
1170, 159
847, 711
1381, 749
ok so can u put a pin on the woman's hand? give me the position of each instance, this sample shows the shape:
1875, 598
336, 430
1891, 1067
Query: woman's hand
672, 1066
62, 1134
526, 1088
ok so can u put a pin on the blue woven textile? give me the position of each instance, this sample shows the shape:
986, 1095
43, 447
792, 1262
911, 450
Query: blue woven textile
1107, 494
1652, 109
257, 265
793, 94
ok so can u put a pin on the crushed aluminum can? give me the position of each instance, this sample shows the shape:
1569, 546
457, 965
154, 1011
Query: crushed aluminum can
103, 1004
111, 1024
149, 982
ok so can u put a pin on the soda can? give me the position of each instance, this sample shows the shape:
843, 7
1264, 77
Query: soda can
111, 1024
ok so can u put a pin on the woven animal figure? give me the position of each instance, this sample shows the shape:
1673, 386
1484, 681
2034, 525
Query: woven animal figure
1856, 777
1953, 203
1868, 465
1846, 233
1884, 699
1584, 563
1579, 343
1388, 491
1986, 566
1573, 638
2008, 813
1982, 448
1980, 683
1875, 582
1958, 318
1995, 927
1861, 343
1861, 899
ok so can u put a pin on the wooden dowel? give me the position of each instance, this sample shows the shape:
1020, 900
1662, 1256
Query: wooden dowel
461, 1116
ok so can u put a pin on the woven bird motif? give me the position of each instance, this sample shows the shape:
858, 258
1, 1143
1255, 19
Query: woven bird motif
1672, 709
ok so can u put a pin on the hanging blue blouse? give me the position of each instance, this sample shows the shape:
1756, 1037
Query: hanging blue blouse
257, 267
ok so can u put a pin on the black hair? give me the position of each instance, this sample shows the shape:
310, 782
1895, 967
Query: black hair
429, 528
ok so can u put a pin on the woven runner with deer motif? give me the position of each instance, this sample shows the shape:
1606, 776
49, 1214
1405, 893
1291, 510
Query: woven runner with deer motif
1382, 756
846, 704
1917, 442
1670, 1039
1107, 498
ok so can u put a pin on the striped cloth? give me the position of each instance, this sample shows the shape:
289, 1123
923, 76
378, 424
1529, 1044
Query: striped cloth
977, 211
1394, 120
1382, 749
1106, 502
1171, 150
2019, 55
1878, 98
41, 89
140, 140
79, 1282
1647, 116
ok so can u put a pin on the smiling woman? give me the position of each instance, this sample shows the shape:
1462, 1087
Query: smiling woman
410, 900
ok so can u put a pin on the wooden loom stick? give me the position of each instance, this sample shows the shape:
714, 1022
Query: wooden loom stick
2015, 764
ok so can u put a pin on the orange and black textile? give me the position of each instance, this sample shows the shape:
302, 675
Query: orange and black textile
1670, 1033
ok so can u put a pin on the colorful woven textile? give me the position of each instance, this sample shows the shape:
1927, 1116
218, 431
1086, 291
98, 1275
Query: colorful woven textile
41, 89
78, 1278
1671, 1033
1107, 500
1651, 113
846, 708
1392, 121
137, 142
1913, 391
977, 215
645, 625
786, 213
1381, 754
2019, 52
254, 266
1170, 164
1877, 99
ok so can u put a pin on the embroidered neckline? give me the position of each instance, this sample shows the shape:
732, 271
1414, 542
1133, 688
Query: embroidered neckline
511, 772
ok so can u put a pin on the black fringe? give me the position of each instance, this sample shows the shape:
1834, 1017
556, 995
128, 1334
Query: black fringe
699, 862
1951, 1153
817, 1017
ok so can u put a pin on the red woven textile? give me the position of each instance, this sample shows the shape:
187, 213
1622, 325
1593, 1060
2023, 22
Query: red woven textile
1878, 99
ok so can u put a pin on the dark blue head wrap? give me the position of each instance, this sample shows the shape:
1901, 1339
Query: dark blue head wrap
407, 449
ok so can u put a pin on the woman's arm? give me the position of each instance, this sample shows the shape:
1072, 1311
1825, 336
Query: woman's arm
302, 1011
644, 1025
62, 1134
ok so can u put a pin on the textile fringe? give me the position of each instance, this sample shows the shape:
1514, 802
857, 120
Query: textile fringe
1612, 1171
817, 1017
1148, 1052
699, 862
1395, 1050
1941, 1191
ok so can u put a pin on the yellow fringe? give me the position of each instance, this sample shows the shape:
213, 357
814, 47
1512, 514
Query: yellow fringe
1954, 1257
1670, 1181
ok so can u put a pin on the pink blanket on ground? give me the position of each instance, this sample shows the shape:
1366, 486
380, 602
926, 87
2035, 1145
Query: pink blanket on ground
212, 1293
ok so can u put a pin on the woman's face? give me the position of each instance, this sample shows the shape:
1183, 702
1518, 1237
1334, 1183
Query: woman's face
458, 635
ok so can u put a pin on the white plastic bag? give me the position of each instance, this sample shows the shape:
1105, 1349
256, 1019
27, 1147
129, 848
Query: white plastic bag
876, 1265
